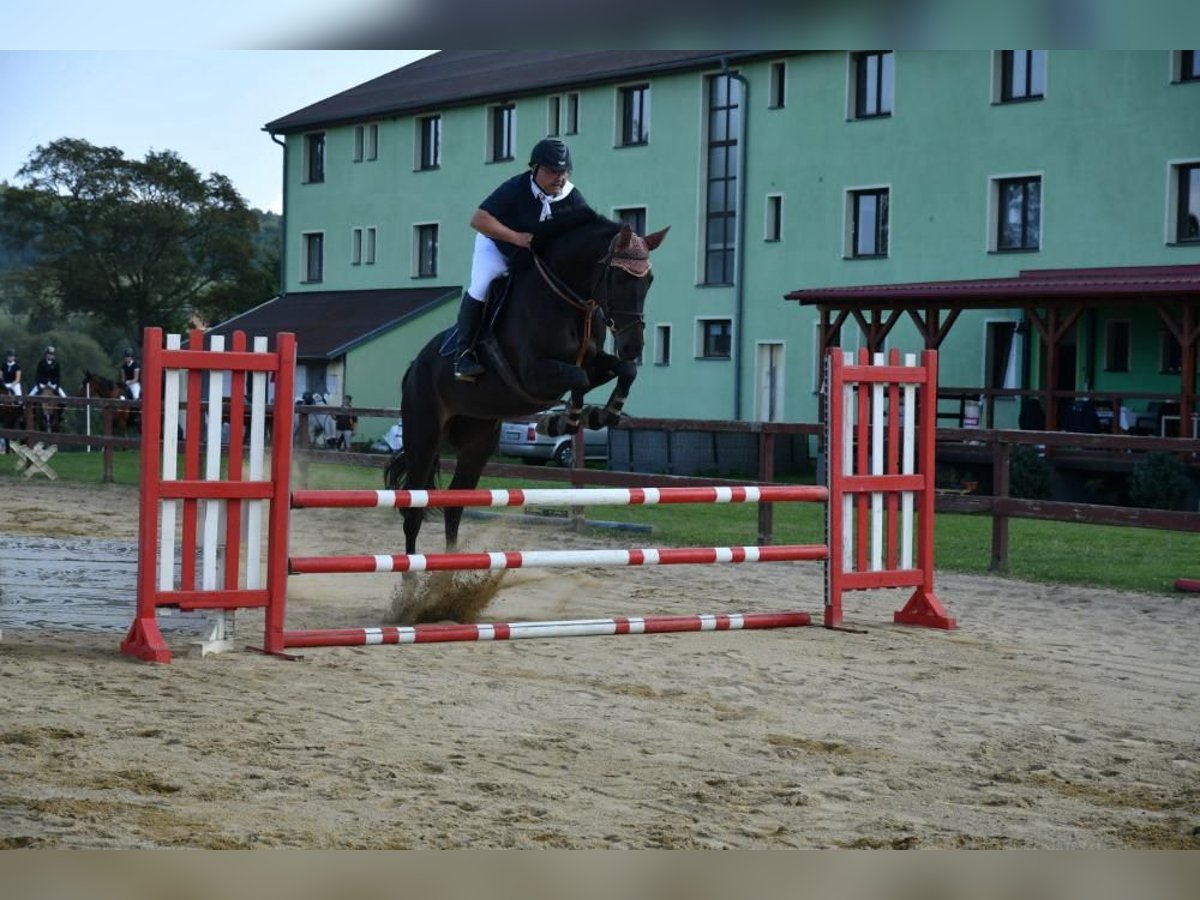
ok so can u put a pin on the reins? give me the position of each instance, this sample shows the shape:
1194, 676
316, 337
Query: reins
588, 307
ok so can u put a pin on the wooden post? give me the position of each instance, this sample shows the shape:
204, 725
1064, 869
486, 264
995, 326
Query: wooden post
107, 415
766, 474
1000, 461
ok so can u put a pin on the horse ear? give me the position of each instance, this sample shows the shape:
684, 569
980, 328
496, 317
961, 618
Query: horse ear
653, 240
624, 236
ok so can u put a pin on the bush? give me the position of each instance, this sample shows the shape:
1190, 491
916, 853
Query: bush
1159, 481
1029, 475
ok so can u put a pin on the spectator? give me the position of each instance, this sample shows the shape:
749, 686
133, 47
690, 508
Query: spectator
11, 373
345, 424
48, 373
131, 372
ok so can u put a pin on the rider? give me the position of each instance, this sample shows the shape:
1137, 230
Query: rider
11, 372
48, 373
131, 371
505, 222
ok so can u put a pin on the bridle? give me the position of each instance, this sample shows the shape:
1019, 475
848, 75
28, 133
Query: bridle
636, 265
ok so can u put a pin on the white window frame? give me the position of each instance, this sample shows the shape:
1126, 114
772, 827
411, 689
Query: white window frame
848, 221
419, 141
416, 254
356, 246
619, 113
852, 114
370, 247
998, 81
617, 210
781, 66
662, 344
1171, 229
306, 162
490, 126
776, 200
702, 323
993, 211
304, 260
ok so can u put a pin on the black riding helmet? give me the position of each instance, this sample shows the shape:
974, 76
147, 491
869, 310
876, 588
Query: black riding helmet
551, 153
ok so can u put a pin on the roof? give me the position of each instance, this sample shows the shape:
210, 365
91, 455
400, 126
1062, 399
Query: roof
328, 324
459, 77
1030, 288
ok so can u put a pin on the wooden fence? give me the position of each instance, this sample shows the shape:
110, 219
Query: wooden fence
990, 449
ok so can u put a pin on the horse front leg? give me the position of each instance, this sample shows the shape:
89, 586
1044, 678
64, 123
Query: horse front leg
605, 368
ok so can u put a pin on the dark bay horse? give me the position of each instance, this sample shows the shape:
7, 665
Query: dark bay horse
47, 407
94, 385
585, 278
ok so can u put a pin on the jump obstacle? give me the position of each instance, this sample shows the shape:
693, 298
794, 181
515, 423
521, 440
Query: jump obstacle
197, 523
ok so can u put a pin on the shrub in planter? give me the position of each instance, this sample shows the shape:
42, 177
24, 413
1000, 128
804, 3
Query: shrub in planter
1159, 481
1029, 476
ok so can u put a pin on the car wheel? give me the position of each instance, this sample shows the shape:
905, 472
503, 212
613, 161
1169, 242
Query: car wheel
564, 454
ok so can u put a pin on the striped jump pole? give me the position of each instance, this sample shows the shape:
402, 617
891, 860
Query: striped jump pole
515, 631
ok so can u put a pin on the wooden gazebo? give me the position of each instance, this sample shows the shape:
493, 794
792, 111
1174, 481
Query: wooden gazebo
1051, 300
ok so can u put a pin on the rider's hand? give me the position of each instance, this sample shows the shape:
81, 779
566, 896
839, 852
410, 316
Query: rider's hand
523, 238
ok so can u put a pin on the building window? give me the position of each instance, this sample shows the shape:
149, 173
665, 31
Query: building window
1019, 204
1189, 66
1170, 354
662, 345
502, 126
356, 246
869, 222
1116, 347
429, 142
426, 254
715, 338
874, 78
562, 114
778, 95
369, 249
774, 226
721, 196
571, 126
366, 142
314, 157
1022, 75
1187, 204
633, 216
313, 259
635, 115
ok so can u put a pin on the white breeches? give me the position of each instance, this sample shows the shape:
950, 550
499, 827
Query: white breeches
487, 264
15, 387
135, 389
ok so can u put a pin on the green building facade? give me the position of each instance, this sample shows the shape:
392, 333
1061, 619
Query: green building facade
776, 172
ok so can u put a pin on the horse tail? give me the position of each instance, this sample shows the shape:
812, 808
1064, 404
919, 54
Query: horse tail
395, 474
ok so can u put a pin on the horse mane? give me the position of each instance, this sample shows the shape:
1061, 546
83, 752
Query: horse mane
577, 223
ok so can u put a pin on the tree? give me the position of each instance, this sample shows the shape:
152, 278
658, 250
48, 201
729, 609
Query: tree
131, 242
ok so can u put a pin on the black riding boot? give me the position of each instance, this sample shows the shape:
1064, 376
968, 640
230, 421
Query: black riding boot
470, 318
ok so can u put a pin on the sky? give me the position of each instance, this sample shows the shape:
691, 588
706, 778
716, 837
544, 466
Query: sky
207, 105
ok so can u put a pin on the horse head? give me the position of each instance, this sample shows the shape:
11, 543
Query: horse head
623, 279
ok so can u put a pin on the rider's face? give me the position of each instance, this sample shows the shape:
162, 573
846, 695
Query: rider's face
549, 180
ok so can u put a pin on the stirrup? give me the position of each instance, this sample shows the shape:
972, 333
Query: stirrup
467, 367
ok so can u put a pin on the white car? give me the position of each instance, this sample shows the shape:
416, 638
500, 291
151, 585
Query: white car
520, 438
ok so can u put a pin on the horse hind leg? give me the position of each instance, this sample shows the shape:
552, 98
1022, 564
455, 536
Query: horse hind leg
475, 440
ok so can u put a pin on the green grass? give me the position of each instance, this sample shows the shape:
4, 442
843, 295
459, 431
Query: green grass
1133, 559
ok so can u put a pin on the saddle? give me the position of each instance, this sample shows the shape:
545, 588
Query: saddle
488, 347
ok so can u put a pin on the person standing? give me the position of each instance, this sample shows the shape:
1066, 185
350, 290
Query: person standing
49, 374
131, 372
505, 222
11, 373
345, 423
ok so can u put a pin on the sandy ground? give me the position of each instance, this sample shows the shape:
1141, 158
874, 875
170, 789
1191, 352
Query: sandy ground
1054, 717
